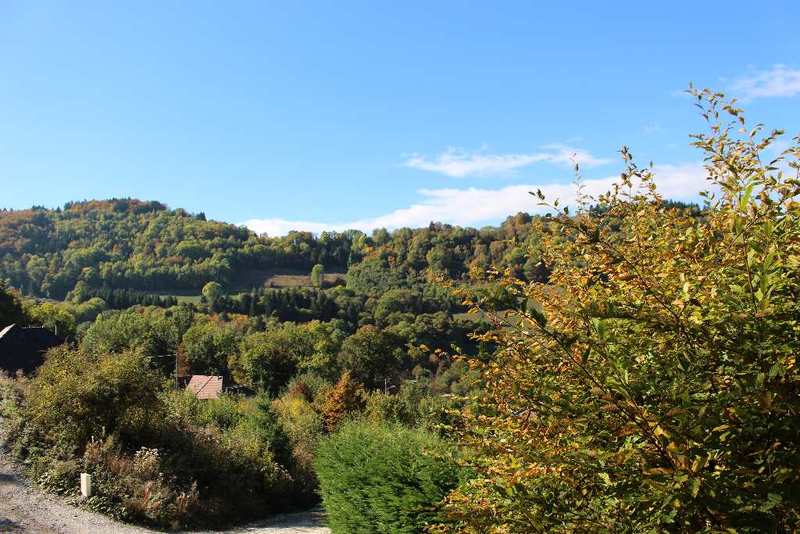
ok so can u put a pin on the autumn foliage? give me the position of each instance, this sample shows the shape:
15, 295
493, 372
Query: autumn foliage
652, 385
346, 397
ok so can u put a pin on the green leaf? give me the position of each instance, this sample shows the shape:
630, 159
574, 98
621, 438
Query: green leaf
694, 486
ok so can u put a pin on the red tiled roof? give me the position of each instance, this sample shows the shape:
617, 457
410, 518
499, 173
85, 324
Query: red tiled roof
205, 387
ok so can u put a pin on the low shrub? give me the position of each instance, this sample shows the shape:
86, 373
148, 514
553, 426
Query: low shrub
136, 487
157, 457
77, 395
413, 405
383, 478
303, 426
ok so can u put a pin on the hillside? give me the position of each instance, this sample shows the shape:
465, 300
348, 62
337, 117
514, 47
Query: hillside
145, 246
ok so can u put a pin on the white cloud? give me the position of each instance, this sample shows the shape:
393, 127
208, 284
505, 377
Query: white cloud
460, 163
276, 227
652, 128
778, 81
476, 207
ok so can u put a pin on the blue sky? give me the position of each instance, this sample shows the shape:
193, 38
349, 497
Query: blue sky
321, 115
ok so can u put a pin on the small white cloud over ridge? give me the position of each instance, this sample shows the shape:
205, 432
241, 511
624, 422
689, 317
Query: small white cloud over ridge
459, 163
477, 206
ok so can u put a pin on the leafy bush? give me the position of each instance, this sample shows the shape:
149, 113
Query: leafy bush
413, 405
76, 396
303, 426
383, 478
158, 457
655, 386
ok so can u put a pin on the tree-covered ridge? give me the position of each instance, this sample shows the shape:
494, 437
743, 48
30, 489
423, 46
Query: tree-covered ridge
123, 243
144, 246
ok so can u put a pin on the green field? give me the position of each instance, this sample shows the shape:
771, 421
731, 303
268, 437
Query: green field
300, 280
255, 279
187, 299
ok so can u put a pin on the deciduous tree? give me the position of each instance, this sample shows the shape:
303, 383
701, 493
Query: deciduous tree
653, 385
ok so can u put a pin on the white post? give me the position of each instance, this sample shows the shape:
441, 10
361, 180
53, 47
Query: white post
86, 484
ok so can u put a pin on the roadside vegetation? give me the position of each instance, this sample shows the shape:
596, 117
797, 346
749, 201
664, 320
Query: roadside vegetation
378, 477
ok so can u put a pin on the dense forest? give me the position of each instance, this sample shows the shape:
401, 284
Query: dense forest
134, 245
627, 366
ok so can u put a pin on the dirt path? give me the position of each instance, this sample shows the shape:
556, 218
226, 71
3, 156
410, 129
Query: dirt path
26, 509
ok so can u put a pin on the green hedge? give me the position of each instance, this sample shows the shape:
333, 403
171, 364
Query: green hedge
383, 478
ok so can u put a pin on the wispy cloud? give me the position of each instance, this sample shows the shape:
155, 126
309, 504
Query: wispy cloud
652, 128
474, 206
779, 81
459, 163
276, 227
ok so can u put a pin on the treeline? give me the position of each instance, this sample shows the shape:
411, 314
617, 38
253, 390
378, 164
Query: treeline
120, 299
326, 332
130, 244
307, 304
143, 246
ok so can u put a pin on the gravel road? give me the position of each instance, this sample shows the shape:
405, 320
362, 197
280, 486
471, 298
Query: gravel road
26, 509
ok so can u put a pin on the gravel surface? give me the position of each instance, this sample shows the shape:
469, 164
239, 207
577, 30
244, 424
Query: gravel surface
26, 509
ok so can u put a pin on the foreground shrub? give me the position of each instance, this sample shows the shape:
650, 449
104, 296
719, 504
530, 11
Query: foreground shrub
157, 457
134, 486
656, 386
304, 428
77, 395
380, 478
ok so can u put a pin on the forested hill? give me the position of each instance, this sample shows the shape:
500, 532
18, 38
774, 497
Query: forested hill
145, 246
